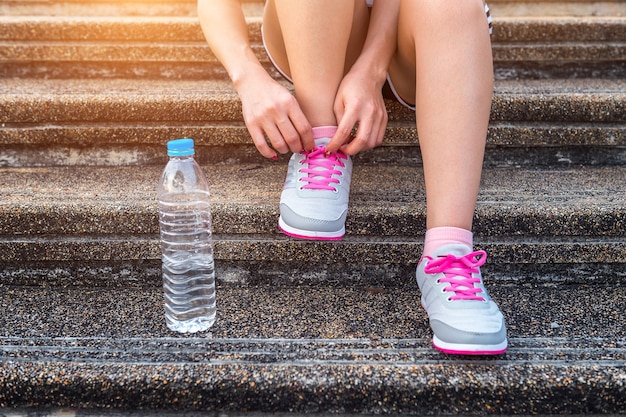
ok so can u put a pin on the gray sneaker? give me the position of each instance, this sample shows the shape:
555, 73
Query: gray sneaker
464, 319
314, 200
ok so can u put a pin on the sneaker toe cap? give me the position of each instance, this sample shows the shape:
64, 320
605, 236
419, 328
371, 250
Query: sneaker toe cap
310, 219
472, 332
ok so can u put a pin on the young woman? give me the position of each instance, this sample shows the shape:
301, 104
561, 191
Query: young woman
434, 54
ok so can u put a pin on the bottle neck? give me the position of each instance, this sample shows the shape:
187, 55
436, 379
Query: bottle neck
180, 158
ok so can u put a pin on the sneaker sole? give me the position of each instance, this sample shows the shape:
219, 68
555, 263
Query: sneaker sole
309, 234
462, 349
465, 349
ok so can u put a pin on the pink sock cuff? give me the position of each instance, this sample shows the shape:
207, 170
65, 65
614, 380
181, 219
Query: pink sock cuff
324, 132
439, 236
450, 233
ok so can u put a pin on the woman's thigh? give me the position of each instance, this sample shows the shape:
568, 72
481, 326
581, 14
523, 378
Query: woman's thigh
402, 69
273, 35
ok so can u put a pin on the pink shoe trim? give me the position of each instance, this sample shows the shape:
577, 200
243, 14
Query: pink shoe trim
470, 349
310, 237
469, 352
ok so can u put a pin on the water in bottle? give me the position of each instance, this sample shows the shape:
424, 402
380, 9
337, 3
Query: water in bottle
186, 241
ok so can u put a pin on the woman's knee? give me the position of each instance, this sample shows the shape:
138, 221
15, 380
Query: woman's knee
447, 13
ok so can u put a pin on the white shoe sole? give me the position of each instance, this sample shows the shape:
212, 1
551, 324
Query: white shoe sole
309, 234
464, 349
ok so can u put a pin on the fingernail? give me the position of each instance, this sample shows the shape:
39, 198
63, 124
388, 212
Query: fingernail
275, 157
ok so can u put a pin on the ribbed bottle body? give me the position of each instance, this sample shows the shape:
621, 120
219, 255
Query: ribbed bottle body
186, 247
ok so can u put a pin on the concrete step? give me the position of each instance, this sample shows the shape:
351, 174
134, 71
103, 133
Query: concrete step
174, 47
540, 8
147, 8
303, 327
343, 349
188, 8
126, 122
548, 224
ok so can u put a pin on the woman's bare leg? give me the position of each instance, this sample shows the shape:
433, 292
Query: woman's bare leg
448, 42
444, 66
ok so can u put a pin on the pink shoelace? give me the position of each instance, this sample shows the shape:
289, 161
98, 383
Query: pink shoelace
321, 168
458, 273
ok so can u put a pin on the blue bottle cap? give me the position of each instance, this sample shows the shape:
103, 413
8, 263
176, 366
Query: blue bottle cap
180, 147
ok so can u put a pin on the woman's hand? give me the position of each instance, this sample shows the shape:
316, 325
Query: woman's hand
359, 100
269, 109
359, 103
272, 113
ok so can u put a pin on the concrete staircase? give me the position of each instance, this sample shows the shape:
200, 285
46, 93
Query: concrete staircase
90, 93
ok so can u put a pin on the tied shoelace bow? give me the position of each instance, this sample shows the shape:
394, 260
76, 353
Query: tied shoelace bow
321, 168
458, 273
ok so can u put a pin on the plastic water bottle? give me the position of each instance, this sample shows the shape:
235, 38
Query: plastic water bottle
186, 241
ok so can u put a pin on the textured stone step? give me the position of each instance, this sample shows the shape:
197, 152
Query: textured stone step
120, 122
558, 8
546, 223
315, 349
146, 8
174, 47
188, 8
302, 326
30, 101
126, 29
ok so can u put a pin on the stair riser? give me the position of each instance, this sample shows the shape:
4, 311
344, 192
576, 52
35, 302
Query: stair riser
421, 389
245, 253
556, 70
505, 266
503, 70
211, 136
16, 156
76, 53
396, 220
224, 107
185, 30
192, 62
